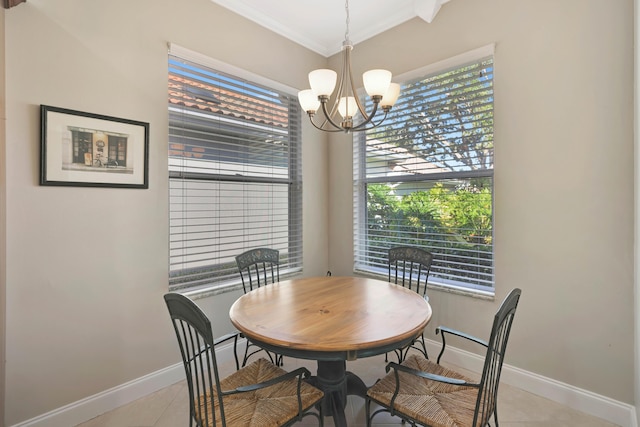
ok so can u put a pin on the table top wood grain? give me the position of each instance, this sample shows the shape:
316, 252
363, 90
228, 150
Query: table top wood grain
331, 314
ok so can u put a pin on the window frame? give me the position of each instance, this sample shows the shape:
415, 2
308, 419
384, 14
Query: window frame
294, 180
361, 182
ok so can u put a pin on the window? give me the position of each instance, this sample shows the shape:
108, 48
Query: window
235, 180
425, 178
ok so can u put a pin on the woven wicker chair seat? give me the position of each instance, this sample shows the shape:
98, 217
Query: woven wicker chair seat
431, 403
267, 407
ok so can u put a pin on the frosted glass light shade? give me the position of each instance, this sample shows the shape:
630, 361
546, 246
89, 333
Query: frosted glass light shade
308, 100
391, 96
323, 81
347, 107
376, 82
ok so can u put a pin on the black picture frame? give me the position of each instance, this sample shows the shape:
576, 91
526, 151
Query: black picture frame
83, 149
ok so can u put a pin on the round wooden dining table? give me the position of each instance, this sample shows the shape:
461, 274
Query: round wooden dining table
331, 320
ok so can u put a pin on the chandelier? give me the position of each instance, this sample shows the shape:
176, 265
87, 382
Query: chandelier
346, 106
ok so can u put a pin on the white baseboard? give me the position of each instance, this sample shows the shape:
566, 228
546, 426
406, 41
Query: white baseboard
610, 410
93, 406
585, 401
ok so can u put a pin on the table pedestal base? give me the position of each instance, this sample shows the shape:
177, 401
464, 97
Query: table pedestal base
336, 383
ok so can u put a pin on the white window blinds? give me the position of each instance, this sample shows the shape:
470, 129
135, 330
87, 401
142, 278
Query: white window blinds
425, 178
235, 179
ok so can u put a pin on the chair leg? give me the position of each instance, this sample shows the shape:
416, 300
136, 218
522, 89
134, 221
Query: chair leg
404, 352
424, 347
276, 359
246, 355
398, 355
273, 359
419, 345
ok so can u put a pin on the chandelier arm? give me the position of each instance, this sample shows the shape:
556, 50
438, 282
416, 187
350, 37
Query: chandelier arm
374, 124
328, 117
322, 128
361, 108
341, 83
359, 128
368, 119
315, 125
339, 94
334, 106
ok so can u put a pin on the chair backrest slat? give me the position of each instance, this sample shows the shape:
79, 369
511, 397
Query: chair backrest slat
497, 345
256, 265
195, 339
409, 266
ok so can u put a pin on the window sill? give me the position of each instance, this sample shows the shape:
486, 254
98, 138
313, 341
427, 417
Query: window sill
213, 290
437, 286
473, 293
210, 291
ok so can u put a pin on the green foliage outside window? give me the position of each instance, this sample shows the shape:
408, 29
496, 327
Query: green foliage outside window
448, 221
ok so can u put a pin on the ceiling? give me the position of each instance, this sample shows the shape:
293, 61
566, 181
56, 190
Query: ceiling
320, 25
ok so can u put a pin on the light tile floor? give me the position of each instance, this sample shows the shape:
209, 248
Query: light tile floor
517, 408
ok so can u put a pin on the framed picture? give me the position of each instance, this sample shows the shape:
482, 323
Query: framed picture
91, 150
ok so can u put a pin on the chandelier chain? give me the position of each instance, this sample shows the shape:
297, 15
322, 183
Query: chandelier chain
346, 33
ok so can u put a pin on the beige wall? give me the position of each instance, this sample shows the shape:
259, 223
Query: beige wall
84, 309
563, 178
564, 185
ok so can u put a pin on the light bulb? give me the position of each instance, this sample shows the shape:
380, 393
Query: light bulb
347, 107
391, 96
308, 100
323, 82
376, 82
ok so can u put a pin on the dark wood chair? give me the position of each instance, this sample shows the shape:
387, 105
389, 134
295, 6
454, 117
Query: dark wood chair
425, 393
409, 266
257, 394
259, 267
